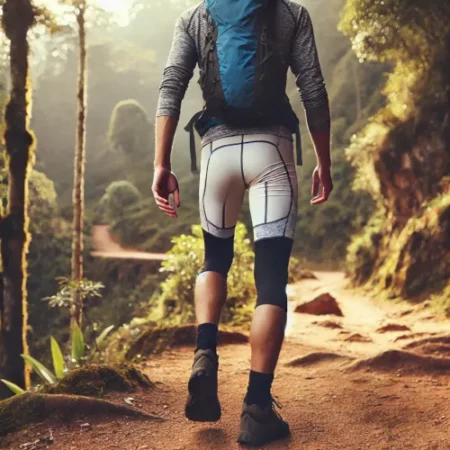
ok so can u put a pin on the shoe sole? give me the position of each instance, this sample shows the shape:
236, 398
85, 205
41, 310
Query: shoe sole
245, 438
203, 403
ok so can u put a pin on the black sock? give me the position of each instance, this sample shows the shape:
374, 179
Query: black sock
207, 336
259, 386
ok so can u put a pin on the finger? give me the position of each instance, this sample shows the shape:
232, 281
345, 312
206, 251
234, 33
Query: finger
176, 198
169, 213
319, 199
164, 207
315, 186
160, 199
173, 215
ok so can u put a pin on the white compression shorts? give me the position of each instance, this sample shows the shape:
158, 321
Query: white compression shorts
262, 163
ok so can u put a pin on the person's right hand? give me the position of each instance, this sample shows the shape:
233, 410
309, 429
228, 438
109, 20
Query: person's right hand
165, 183
321, 177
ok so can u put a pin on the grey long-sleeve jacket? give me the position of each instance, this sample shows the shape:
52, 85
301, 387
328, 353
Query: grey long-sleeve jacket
294, 37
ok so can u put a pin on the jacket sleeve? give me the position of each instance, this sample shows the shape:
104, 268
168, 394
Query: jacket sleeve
178, 72
306, 68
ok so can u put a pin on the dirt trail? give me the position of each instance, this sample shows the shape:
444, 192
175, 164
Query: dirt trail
329, 405
106, 247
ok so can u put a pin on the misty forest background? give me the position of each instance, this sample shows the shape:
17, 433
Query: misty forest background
387, 222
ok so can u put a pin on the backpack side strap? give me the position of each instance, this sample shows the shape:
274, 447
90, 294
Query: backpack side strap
190, 128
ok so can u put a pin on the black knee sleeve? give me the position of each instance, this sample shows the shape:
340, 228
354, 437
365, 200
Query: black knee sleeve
271, 270
218, 254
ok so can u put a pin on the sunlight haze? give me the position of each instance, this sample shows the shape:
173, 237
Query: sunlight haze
120, 8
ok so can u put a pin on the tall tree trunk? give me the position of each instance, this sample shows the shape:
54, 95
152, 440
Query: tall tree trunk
18, 18
79, 169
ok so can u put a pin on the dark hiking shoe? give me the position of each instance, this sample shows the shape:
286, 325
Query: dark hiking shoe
203, 403
260, 426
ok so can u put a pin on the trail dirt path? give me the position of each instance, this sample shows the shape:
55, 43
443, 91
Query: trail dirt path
337, 392
106, 247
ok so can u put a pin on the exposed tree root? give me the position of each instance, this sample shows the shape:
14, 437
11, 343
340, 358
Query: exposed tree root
28, 408
315, 358
394, 360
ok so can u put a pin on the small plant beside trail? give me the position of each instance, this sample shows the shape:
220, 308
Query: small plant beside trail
87, 290
80, 352
61, 367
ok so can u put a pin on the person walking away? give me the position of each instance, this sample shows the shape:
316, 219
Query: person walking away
244, 49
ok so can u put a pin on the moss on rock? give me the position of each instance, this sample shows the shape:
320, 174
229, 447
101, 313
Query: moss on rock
97, 380
399, 262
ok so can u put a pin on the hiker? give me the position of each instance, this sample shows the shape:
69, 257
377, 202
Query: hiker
244, 49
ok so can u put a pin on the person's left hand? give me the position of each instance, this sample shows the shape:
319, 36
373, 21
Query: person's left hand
165, 183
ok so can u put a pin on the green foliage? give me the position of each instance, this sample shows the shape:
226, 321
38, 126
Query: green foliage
78, 346
40, 369
323, 233
142, 226
68, 286
78, 358
43, 198
121, 197
103, 335
63, 299
58, 358
182, 266
130, 130
399, 156
13, 387
363, 251
395, 29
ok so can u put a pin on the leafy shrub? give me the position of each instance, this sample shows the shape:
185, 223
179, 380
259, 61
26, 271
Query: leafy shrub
130, 130
118, 197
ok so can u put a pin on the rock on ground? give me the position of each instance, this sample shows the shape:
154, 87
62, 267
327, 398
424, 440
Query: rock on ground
322, 305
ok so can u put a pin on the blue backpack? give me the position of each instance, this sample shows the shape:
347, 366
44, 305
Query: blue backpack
242, 77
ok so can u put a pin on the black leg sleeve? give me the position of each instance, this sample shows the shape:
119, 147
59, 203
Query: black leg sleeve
219, 254
271, 270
